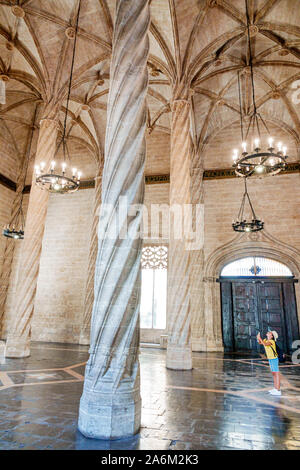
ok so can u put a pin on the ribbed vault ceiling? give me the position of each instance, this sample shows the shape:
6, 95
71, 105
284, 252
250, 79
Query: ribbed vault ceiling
203, 42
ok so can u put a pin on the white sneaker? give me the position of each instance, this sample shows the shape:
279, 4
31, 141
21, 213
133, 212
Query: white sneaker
275, 392
270, 391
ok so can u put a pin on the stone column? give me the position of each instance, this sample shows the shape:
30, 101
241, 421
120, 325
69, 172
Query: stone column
18, 340
197, 260
89, 288
179, 351
213, 327
110, 406
10, 246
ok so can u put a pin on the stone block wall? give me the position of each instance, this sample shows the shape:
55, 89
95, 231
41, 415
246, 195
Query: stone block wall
63, 268
275, 199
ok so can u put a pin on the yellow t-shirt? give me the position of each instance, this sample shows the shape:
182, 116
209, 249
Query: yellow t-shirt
269, 351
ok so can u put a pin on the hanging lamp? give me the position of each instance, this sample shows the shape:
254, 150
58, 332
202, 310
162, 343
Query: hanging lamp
53, 179
256, 157
253, 224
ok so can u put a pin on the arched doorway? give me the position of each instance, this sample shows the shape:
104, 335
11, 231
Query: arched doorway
257, 294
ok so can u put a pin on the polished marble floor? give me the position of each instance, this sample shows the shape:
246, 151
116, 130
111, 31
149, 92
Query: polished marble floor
221, 404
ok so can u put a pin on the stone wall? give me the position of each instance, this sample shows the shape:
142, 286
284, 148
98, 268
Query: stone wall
275, 200
61, 283
63, 268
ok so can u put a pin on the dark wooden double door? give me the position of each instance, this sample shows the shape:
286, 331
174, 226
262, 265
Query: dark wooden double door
253, 305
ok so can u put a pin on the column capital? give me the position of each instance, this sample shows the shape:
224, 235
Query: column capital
182, 93
179, 102
47, 122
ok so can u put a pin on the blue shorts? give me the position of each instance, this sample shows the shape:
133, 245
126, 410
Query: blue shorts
274, 364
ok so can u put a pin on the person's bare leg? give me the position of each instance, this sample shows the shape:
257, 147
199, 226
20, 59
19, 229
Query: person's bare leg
274, 379
277, 380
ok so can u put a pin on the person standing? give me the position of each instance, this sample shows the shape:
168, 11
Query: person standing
271, 353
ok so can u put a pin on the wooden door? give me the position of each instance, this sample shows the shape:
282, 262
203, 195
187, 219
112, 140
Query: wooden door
271, 310
245, 316
250, 305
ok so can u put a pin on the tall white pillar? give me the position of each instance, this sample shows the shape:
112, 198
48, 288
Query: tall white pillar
89, 287
179, 349
110, 406
18, 339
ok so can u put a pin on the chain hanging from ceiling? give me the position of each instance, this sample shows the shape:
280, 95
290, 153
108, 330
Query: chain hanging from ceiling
242, 224
52, 179
256, 157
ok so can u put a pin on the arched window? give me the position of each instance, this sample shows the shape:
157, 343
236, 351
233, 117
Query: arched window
154, 286
256, 266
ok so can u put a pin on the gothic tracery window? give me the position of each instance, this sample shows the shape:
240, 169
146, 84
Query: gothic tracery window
155, 257
154, 264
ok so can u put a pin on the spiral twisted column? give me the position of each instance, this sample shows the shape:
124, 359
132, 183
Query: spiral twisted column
197, 261
9, 247
89, 288
110, 405
179, 350
18, 339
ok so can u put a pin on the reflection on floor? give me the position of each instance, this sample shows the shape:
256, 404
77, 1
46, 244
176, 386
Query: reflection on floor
221, 404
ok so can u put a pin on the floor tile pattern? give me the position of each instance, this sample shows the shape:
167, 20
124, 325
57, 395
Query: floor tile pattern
221, 404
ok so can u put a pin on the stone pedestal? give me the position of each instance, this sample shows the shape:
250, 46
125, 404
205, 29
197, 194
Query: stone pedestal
110, 405
179, 357
17, 346
18, 341
110, 414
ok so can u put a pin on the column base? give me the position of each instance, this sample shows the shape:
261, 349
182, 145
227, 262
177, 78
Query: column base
199, 345
179, 357
84, 339
214, 345
109, 416
17, 347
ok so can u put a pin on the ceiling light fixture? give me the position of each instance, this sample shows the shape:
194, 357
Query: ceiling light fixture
253, 224
256, 158
54, 179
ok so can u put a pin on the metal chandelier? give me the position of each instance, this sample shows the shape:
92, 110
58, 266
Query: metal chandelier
53, 179
256, 157
242, 224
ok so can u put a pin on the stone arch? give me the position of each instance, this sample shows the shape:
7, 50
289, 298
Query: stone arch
256, 244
